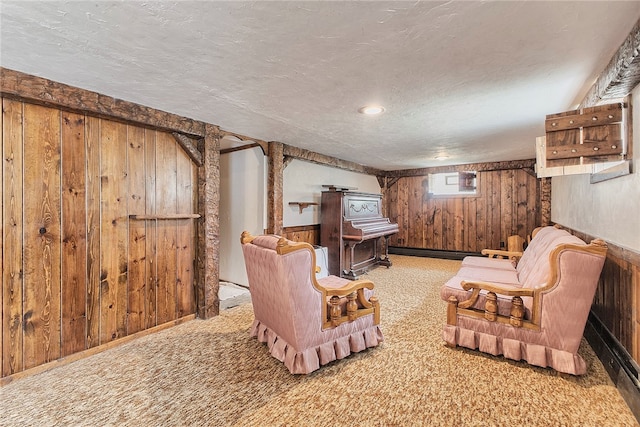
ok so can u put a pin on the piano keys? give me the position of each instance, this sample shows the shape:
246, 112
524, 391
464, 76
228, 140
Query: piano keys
354, 231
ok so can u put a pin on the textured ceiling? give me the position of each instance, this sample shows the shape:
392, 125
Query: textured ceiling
469, 79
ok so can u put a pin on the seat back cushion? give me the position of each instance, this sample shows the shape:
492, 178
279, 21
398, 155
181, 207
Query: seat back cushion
534, 266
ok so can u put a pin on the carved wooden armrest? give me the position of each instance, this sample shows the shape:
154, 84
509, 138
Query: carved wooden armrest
517, 311
354, 292
509, 291
496, 253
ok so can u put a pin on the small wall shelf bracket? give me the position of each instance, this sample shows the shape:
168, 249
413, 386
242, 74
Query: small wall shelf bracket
302, 205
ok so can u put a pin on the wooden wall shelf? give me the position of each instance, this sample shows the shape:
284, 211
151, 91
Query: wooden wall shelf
302, 205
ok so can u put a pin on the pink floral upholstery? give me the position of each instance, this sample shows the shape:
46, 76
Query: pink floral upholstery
288, 308
556, 278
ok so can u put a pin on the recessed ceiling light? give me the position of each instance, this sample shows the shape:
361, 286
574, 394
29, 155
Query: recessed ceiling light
371, 110
441, 158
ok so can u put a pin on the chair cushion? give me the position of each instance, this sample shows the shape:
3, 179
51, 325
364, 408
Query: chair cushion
485, 262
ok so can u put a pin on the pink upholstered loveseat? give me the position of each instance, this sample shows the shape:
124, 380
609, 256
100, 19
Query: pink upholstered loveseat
306, 322
535, 311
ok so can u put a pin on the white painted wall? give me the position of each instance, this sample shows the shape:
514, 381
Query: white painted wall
242, 207
609, 209
303, 181
243, 189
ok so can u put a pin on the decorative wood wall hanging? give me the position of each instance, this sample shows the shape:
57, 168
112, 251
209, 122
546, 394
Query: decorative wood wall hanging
587, 141
594, 134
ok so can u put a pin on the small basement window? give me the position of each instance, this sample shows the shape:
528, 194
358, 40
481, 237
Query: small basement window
452, 183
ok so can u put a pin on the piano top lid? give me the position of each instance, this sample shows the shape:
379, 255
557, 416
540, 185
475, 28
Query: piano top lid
332, 187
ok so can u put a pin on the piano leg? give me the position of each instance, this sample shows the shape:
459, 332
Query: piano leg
351, 274
384, 260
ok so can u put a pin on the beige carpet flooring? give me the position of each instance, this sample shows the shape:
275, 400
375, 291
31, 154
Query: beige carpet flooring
211, 373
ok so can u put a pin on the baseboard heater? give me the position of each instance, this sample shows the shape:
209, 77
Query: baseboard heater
622, 369
431, 253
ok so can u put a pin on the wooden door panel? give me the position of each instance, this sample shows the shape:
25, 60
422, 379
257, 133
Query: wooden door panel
185, 237
166, 203
77, 271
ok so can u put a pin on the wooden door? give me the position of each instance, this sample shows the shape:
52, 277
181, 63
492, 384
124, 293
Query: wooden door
93, 244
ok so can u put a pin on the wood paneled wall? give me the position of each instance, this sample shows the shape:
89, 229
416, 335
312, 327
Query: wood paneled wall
77, 271
617, 299
303, 233
507, 202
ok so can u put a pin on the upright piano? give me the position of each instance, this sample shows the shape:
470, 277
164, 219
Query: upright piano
354, 231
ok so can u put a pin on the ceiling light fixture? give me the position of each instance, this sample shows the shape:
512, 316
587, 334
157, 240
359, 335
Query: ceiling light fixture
441, 158
371, 110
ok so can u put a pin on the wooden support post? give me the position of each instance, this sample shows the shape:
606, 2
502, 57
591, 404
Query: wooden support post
207, 278
274, 188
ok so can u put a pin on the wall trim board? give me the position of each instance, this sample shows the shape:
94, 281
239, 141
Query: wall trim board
620, 252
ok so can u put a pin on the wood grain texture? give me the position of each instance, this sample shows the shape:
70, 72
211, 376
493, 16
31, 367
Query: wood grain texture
208, 270
136, 196
621, 74
190, 147
527, 164
185, 238
151, 231
166, 203
41, 303
303, 233
77, 272
616, 301
507, 203
74, 234
50, 93
113, 228
12, 227
275, 164
321, 159
92, 143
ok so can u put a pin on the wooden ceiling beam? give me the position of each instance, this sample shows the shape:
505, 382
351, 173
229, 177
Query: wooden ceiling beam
621, 75
472, 167
21, 86
321, 159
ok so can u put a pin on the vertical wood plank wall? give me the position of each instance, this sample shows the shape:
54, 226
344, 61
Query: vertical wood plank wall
617, 300
77, 272
507, 203
303, 233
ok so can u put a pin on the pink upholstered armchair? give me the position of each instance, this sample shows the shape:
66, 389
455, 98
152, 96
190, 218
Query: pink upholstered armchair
306, 322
